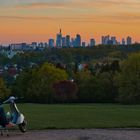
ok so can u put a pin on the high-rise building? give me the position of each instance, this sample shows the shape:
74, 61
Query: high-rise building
51, 43
59, 39
123, 41
78, 40
114, 41
105, 39
67, 41
41, 44
34, 44
73, 44
83, 44
129, 40
45, 44
63, 42
92, 42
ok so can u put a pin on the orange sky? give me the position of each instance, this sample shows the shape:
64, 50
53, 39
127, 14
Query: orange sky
38, 20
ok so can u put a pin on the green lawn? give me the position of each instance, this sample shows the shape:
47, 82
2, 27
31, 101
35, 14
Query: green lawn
81, 116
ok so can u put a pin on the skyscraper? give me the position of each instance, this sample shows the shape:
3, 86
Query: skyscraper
114, 41
123, 41
92, 42
51, 43
105, 39
83, 44
67, 41
59, 39
78, 40
73, 42
63, 42
129, 40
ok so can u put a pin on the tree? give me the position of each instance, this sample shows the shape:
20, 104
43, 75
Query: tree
129, 80
4, 91
87, 86
37, 84
65, 91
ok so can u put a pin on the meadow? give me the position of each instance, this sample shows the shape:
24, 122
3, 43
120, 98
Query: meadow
68, 116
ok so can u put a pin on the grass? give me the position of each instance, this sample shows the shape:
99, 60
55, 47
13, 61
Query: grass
81, 116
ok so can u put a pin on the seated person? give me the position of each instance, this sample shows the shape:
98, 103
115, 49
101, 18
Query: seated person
3, 119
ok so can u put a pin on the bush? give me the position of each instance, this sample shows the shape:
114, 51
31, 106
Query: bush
4, 91
129, 80
65, 91
36, 85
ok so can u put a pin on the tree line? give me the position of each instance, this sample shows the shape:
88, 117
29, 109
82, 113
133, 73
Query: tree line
114, 82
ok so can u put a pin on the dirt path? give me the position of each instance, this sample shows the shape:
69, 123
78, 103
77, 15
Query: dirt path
87, 134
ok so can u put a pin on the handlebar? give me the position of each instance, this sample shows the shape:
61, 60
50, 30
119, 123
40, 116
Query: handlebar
10, 99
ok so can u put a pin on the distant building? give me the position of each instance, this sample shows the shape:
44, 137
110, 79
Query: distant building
110, 42
67, 41
73, 44
129, 40
59, 39
114, 41
123, 41
34, 45
63, 42
45, 44
83, 44
51, 43
41, 44
105, 39
92, 42
78, 40
16, 46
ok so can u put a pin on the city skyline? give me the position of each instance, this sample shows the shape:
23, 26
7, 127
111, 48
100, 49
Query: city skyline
39, 20
62, 40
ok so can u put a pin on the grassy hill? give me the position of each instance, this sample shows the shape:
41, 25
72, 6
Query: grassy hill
81, 116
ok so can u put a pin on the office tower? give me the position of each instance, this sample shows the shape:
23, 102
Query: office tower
110, 42
73, 44
114, 41
83, 44
105, 40
123, 41
67, 41
51, 43
78, 40
129, 40
41, 44
45, 44
92, 42
63, 42
34, 45
59, 39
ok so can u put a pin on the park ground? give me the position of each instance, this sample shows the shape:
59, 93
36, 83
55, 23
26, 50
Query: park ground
80, 116
79, 122
78, 134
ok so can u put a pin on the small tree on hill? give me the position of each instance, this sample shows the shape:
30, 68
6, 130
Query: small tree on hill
65, 91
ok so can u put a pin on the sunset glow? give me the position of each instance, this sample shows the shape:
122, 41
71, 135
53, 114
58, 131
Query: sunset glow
38, 20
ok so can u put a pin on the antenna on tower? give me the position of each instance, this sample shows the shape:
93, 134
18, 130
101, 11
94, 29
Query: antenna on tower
60, 31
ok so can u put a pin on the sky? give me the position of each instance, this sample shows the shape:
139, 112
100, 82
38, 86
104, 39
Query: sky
39, 20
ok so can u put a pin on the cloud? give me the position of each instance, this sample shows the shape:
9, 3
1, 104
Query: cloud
99, 11
42, 5
122, 18
80, 3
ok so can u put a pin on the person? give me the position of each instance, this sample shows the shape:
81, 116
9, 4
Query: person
3, 120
